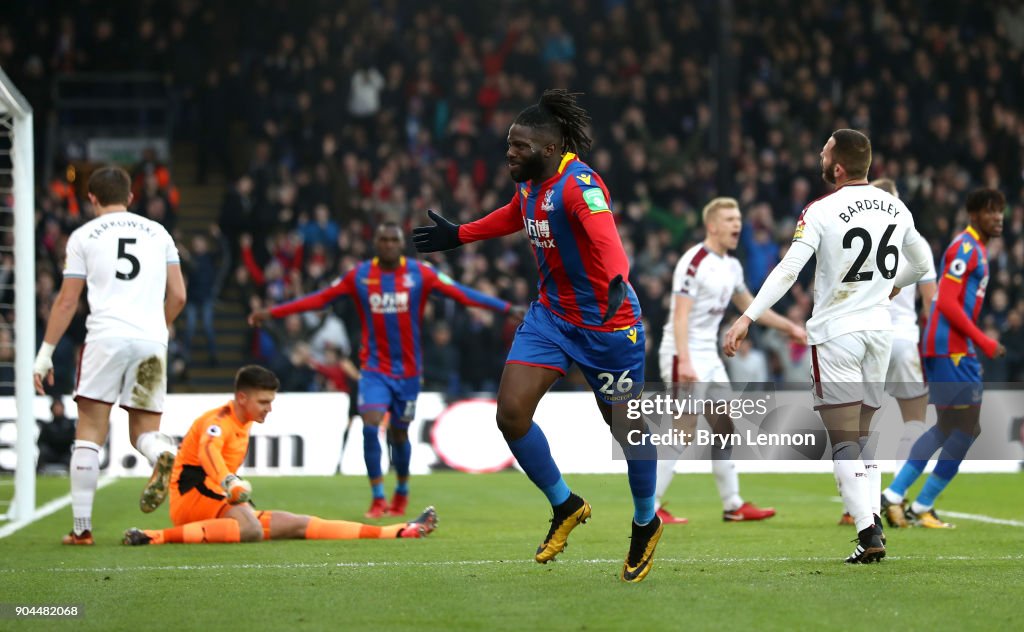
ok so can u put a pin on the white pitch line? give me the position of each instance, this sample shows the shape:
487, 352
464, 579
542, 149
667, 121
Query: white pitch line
530, 562
968, 516
983, 518
53, 506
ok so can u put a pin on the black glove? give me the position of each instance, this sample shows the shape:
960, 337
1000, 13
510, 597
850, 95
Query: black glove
443, 235
616, 294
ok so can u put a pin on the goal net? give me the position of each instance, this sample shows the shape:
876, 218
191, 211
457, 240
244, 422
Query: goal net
17, 298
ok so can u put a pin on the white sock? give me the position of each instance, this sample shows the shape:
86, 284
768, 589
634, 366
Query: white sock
85, 472
912, 430
728, 482
853, 483
918, 508
874, 485
892, 496
874, 472
153, 444
839, 488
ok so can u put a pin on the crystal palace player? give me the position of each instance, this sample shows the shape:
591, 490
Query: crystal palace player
587, 312
951, 364
859, 233
391, 293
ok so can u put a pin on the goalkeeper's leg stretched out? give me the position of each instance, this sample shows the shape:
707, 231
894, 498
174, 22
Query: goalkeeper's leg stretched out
202, 519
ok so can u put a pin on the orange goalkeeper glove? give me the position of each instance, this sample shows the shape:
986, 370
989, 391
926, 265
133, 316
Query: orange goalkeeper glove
237, 490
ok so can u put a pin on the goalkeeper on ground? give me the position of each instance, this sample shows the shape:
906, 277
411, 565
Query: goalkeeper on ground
210, 502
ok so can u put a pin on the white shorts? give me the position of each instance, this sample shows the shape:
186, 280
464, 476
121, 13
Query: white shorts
134, 371
850, 369
708, 366
904, 379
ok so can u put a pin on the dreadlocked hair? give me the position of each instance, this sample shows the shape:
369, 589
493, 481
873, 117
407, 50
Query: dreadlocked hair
557, 109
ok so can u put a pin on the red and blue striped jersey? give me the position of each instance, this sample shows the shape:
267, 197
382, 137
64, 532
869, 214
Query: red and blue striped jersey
952, 323
569, 222
390, 305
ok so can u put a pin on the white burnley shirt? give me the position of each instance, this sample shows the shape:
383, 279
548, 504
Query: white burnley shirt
859, 234
123, 258
710, 280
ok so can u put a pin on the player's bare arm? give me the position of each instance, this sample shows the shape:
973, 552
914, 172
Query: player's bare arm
782, 277
681, 332
927, 290
64, 307
176, 297
771, 318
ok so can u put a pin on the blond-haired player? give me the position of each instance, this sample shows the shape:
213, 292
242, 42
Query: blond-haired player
706, 279
131, 267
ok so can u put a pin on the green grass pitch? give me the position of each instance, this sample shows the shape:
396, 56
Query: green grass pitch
477, 571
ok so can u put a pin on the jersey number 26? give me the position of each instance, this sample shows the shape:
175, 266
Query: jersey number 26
885, 250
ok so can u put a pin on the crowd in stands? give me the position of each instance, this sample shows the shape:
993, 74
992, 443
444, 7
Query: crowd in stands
326, 117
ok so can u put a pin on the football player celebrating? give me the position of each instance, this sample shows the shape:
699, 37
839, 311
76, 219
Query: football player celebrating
587, 313
390, 293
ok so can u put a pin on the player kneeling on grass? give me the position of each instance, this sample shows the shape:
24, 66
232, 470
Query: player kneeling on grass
210, 503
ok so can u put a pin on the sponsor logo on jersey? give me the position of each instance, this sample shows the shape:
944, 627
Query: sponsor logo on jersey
584, 178
799, 232
444, 278
389, 302
408, 281
539, 232
595, 200
967, 247
631, 334
213, 430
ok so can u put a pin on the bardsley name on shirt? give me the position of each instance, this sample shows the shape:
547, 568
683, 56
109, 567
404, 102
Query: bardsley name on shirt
860, 206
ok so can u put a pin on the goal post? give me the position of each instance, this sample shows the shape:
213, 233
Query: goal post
17, 183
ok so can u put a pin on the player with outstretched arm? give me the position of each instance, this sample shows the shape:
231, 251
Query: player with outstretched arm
587, 313
390, 293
